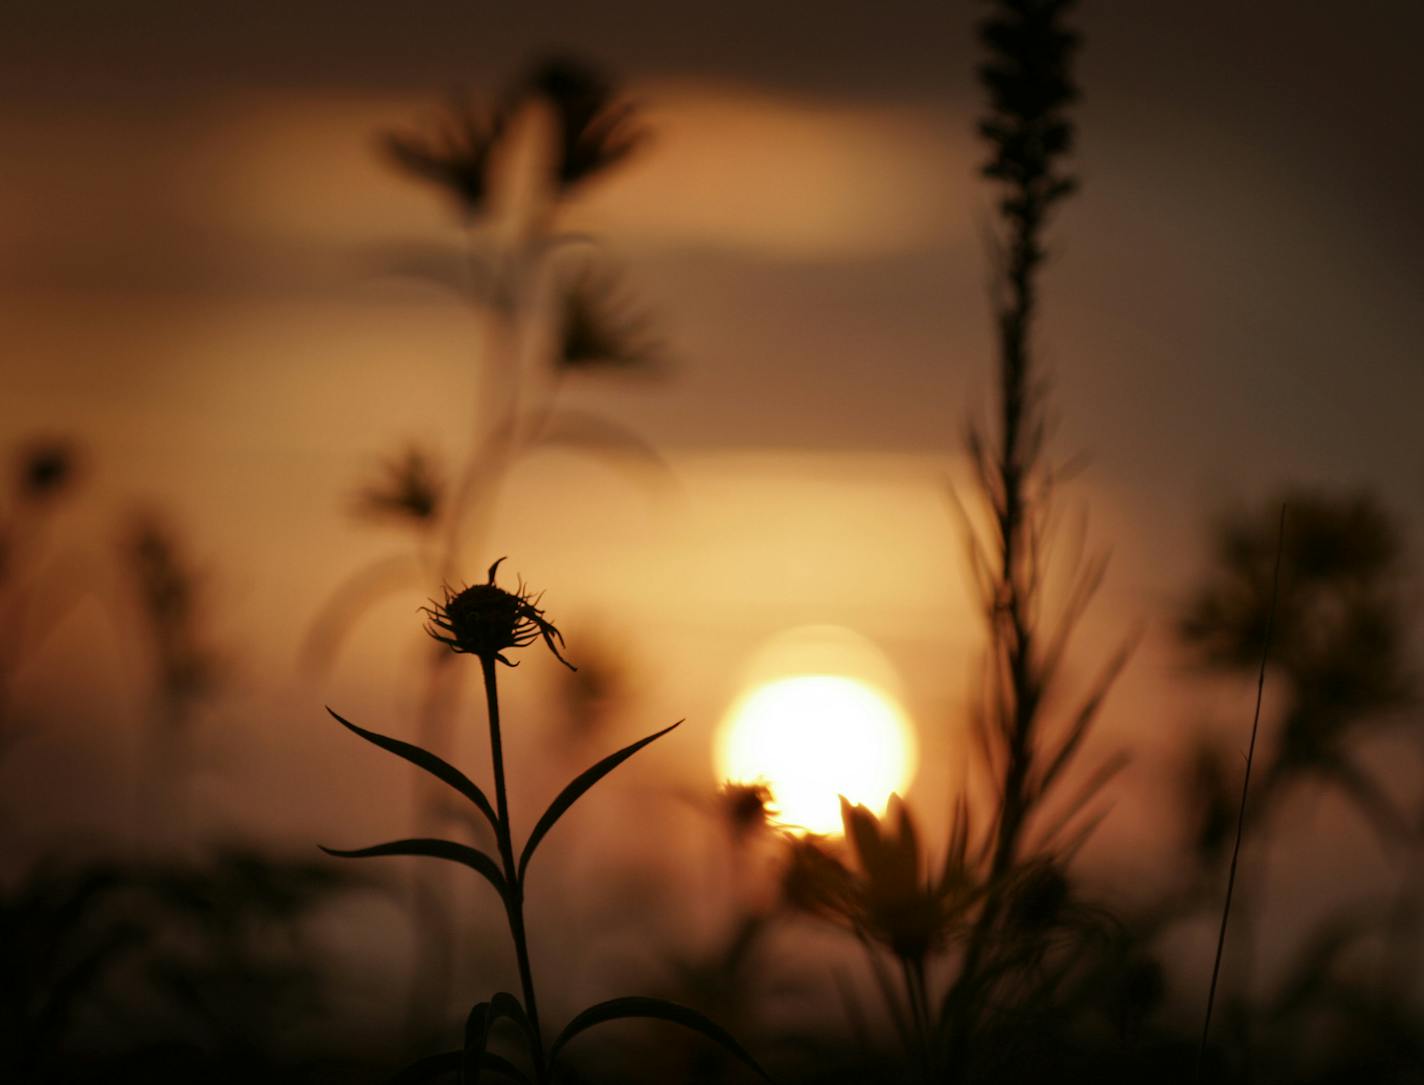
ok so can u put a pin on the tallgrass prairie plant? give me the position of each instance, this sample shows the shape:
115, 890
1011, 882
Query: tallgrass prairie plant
489, 622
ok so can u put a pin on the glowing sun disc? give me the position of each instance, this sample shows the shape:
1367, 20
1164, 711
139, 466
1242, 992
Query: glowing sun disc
813, 738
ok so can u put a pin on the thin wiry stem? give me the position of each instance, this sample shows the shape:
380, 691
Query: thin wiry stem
918, 997
1245, 789
514, 903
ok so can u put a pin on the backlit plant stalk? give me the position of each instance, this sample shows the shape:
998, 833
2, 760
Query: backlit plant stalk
1029, 82
486, 621
539, 322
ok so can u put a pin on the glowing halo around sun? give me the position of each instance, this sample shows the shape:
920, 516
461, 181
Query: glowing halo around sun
817, 721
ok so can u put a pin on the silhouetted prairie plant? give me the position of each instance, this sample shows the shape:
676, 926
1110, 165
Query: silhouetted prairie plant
544, 316
880, 887
489, 622
44, 471
1341, 637
1027, 756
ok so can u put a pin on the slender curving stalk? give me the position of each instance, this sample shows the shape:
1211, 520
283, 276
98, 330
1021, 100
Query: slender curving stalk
1245, 792
514, 901
486, 621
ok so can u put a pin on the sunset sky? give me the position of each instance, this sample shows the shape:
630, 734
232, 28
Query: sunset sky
193, 224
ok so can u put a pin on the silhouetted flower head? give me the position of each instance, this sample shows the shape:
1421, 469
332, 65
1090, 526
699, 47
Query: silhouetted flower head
885, 894
746, 808
598, 326
816, 882
596, 129
409, 490
899, 906
456, 157
486, 621
46, 467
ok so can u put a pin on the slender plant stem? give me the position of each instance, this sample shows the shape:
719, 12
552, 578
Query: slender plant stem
514, 903
1245, 789
915, 991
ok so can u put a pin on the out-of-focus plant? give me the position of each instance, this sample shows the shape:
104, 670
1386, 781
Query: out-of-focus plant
187, 670
170, 594
487, 622
1339, 656
60, 940
547, 312
45, 471
890, 900
1331, 594
169, 969
1026, 752
549, 308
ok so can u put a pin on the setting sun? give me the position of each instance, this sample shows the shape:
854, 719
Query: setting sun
813, 738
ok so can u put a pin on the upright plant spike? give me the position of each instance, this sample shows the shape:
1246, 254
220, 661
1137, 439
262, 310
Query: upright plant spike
1245, 790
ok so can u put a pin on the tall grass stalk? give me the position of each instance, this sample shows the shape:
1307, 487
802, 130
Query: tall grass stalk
1245, 792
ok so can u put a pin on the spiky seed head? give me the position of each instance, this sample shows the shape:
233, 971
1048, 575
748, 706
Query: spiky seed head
485, 620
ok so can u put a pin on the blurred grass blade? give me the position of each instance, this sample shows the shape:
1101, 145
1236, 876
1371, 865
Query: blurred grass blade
473, 858
575, 790
442, 770
656, 1009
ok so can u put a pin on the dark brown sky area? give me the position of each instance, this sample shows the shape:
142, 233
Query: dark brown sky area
1241, 277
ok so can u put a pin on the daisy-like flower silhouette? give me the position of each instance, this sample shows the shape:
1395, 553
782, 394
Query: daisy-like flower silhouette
486, 621
900, 904
747, 809
886, 893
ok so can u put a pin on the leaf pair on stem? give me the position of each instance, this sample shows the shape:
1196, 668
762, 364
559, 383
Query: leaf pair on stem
486, 621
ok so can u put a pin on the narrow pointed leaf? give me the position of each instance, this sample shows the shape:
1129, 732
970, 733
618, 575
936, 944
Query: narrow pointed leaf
656, 1009
475, 1058
477, 1027
505, 1004
473, 858
442, 770
575, 790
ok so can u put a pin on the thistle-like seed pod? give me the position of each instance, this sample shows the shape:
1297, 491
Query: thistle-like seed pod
486, 621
